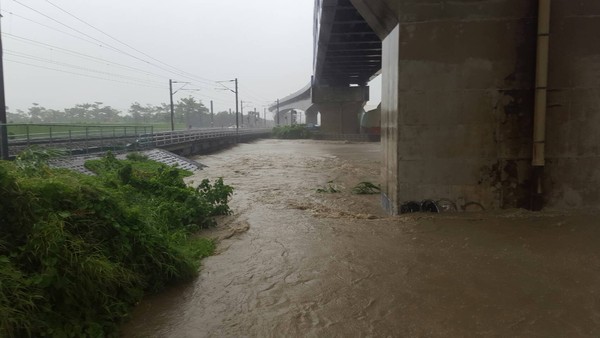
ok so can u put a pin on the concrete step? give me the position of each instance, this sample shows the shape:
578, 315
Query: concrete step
159, 155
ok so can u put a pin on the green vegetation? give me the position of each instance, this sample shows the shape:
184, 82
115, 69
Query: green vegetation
77, 252
366, 188
330, 188
296, 131
186, 111
82, 131
34, 160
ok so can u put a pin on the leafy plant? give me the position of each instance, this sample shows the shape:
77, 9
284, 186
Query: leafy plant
330, 188
34, 160
217, 195
366, 188
135, 156
296, 131
77, 251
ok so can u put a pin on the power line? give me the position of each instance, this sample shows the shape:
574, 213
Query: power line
93, 58
106, 45
65, 25
123, 43
37, 58
216, 100
72, 52
84, 75
53, 28
256, 96
99, 43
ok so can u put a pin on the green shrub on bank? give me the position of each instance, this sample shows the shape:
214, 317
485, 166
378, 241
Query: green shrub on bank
77, 251
296, 131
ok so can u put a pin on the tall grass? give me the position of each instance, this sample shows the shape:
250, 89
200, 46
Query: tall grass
76, 251
296, 131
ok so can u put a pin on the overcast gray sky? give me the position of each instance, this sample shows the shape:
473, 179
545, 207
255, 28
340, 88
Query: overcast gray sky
56, 60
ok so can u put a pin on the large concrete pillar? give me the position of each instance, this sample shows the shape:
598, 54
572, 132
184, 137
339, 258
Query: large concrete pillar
572, 177
457, 101
311, 115
340, 108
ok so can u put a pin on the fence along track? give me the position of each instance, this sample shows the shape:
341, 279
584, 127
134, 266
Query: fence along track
87, 139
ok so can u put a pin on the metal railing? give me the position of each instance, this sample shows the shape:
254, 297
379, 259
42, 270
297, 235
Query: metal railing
194, 135
73, 138
28, 134
83, 139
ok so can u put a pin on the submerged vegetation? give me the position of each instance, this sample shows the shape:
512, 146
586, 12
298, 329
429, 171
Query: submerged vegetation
296, 131
330, 188
77, 251
366, 188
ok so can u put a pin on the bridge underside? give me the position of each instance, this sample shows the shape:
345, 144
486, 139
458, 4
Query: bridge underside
339, 108
347, 52
347, 55
458, 101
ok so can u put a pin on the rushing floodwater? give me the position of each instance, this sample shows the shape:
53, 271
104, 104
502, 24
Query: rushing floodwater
314, 264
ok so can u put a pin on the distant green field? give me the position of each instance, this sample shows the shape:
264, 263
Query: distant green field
32, 131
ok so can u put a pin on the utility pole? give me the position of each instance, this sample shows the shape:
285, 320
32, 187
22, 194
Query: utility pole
237, 118
277, 112
242, 113
171, 99
212, 115
171, 93
3, 120
265, 116
237, 126
255, 118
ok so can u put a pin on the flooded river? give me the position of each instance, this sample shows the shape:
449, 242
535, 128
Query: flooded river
296, 262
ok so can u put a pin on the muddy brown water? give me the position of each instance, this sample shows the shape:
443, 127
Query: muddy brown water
295, 262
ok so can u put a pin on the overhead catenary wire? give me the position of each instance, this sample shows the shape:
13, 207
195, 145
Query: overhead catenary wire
53, 28
84, 75
113, 48
124, 43
168, 69
91, 57
67, 26
58, 63
255, 95
103, 78
83, 55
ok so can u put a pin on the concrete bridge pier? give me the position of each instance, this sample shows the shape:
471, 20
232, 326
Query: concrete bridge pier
312, 115
340, 107
457, 100
458, 95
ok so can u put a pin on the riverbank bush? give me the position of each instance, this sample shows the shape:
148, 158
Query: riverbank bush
77, 251
296, 131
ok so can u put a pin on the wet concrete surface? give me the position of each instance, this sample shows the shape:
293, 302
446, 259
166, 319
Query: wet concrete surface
294, 262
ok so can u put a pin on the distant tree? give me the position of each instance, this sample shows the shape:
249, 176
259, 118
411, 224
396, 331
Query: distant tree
224, 119
80, 113
93, 113
192, 112
18, 117
149, 113
136, 111
143, 114
39, 114
108, 114
162, 113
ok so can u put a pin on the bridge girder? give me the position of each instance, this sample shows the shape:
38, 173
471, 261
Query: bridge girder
346, 52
